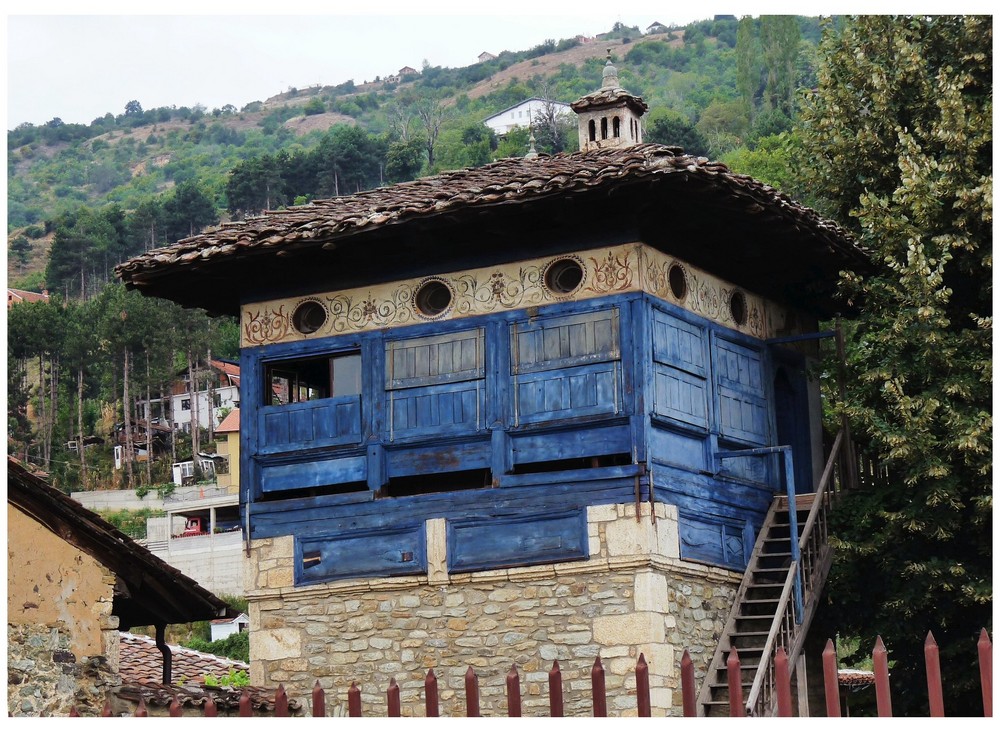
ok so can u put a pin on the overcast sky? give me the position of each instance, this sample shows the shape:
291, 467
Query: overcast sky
79, 67
75, 66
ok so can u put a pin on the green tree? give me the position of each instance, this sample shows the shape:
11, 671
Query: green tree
20, 249
897, 143
404, 159
672, 128
188, 211
779, 43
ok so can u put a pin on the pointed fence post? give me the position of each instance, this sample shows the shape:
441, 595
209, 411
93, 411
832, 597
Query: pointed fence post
513, 692
318, 700
985, 647
880, 660
735, 679
555, 691
354, 701
831, 680
73, 711
280, 702
598, 690
106, 710
471, 693
689, 693
431, 694
246, 706
211, 709
783, 682
392, 698
642, 687
932, 661
141, 710
175, 707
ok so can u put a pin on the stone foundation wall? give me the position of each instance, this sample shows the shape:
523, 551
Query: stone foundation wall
45, 678
632, 596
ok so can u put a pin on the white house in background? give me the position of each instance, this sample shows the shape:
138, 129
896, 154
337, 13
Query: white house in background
486, 56
177, 408
522, 113
225, 627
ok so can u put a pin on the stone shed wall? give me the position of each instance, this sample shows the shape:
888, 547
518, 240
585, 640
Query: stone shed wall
632, 596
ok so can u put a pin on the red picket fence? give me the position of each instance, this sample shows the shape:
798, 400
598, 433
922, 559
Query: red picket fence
688, 688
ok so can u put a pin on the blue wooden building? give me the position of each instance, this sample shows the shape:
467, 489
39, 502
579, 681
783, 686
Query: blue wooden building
492, 353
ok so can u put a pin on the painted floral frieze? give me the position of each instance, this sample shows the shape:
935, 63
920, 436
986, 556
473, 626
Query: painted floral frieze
624, 268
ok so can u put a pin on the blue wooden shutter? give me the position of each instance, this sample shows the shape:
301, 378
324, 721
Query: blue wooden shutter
566, 366
740, 386
435, 384
680, 370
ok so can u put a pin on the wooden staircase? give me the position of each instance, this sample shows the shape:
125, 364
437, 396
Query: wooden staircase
764, 616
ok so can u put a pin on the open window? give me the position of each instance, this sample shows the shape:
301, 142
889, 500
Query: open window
304, 380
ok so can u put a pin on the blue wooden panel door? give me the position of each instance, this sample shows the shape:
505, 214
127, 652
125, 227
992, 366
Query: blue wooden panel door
680, 370
740, 390
435, 385
566, 367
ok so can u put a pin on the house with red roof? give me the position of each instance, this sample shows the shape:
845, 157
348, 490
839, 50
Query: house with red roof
16, 297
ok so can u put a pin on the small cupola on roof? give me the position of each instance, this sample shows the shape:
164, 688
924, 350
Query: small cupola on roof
610, 117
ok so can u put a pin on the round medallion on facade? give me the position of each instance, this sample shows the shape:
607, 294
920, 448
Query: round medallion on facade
562, 277
677, 280
309, 317
433, 297
738, 307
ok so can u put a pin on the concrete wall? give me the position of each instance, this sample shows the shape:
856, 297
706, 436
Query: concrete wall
62, 646
632, 596
214, 561
117, 500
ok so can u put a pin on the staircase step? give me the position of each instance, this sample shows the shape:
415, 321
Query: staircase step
754, 617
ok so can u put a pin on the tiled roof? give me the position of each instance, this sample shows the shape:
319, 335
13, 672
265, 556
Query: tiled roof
232, 370
231, 423
227, 700
506, 181
27, 295
607, 97
853, 678
141, 661
689, 201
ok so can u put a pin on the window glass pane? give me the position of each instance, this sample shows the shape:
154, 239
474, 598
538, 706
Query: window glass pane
346, 374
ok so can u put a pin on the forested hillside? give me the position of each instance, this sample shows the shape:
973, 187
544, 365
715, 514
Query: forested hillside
82, 198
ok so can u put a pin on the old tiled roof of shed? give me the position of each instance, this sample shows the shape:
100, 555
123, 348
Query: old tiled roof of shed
141, 661
149, 591
227, 699
659, 175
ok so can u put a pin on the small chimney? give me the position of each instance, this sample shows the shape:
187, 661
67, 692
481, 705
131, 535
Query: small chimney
609, 117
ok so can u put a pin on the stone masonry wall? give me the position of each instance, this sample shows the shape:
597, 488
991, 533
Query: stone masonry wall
46, 679
632, 596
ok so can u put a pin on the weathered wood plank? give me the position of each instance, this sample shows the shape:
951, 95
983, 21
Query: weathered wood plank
488, 542
401, 551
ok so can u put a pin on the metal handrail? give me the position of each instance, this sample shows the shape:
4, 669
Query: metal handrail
764, 669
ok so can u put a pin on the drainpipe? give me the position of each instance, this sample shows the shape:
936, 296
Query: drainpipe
161, 643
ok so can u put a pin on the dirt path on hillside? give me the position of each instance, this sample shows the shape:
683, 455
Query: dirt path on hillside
550, 63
